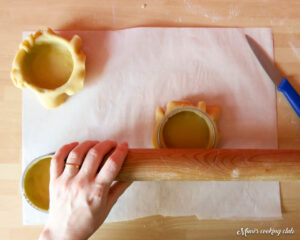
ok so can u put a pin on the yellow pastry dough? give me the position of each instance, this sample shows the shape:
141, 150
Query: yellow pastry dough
36, 184
183, 125
51, 66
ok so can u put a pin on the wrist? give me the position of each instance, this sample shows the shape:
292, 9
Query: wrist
49, 234
46, 234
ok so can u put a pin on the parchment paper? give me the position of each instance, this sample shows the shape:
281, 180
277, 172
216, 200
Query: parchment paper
131, 72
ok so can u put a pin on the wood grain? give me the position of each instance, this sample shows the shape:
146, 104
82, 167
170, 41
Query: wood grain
20, 15
210, 165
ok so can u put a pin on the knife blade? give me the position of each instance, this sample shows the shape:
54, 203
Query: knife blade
280, 82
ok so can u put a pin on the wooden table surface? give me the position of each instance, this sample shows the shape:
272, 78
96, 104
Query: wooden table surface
17, 16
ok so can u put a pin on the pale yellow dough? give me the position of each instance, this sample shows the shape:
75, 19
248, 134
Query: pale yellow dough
51, 66
36, 183
188, 127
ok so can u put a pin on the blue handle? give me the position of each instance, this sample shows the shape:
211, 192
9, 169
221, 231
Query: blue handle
291, 95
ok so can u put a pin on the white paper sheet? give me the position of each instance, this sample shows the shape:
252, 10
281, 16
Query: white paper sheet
131, 72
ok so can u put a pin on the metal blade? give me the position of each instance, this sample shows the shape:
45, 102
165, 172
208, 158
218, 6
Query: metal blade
265, 61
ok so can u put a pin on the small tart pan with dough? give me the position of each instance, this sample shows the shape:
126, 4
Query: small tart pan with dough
183, 125
35, 182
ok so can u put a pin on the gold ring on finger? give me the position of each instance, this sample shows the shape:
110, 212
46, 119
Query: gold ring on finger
72, 165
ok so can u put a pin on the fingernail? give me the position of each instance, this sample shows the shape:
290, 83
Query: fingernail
113, 142
124, 145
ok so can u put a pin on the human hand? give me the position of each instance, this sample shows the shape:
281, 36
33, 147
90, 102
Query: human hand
81, 198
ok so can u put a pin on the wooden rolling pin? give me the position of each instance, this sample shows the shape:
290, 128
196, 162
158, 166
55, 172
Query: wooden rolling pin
213, 164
